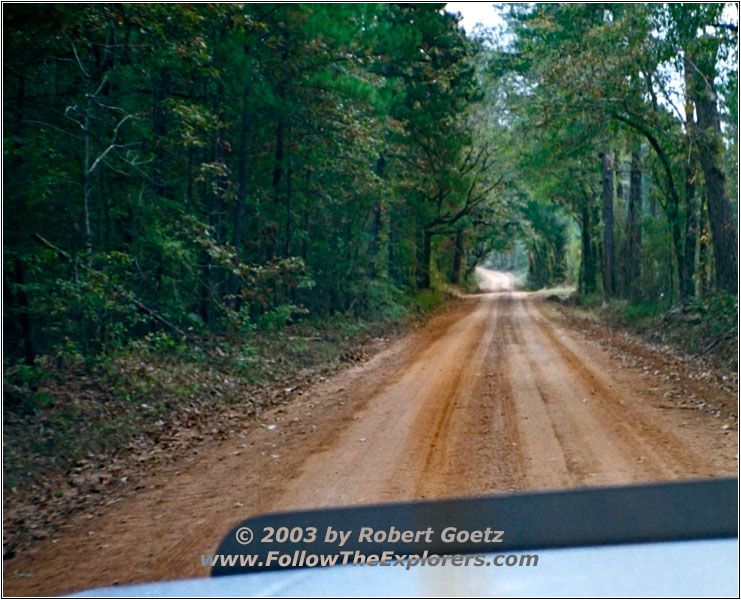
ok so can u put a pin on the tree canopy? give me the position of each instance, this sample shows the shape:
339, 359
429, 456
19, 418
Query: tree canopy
194, 167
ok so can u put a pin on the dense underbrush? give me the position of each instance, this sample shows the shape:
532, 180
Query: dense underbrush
707, 327
66, 410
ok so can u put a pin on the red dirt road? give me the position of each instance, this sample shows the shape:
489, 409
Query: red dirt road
498, 393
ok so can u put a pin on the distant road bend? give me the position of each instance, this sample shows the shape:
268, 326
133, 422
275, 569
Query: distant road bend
498, 393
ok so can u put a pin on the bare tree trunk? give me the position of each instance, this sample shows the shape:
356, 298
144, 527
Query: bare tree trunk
289, 195
690, 174
243, 171
690, 230
608, 273
212, 283
423, 272
710, 146
634, 230
704, 268
243, 176
588, 274
458, 257
672, 213
376, 224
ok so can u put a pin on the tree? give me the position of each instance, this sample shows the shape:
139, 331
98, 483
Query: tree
616, 62
702, 50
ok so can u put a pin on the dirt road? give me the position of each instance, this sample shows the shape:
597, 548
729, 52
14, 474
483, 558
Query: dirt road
499, 393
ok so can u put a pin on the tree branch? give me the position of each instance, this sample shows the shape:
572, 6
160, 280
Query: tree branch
113, 143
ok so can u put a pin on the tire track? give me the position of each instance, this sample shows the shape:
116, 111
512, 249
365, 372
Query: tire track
476, 448
667, 456
489, 396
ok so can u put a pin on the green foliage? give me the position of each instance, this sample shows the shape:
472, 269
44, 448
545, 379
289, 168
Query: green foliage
548, 247
427, 301
720, 316
385, 300
593, 79
708, 327
643, 311
25, 375
158, 342
280, 316
185, 173
181, 171
589, 300
657, 282
247, 361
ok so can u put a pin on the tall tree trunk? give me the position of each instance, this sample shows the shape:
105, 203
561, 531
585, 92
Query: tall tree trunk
375, 244
243, 169
634, 230
608, 273
458, 257
590, 244
672, 213
243, 177
704, 268
690, 174
87, 185
211, 280
24, 312
273, 228
653, 208
619, 188
710, 146
690, 229
289, 194
724, 236
621, 284
423, 271
159, 129
306, 221
588, 274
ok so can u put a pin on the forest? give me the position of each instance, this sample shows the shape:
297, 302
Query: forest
186, 184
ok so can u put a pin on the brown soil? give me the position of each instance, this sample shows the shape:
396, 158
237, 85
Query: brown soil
502, 392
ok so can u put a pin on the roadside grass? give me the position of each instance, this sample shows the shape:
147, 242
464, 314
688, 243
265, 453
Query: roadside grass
707, 327
562, 291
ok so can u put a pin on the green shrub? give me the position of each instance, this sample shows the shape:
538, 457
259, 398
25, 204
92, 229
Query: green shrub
426, 301
280, 316
641, 311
